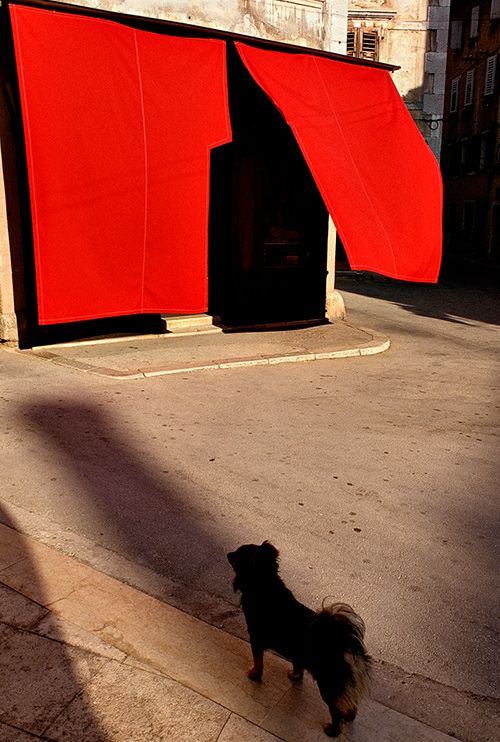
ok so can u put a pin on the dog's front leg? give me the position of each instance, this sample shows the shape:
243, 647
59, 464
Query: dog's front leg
255, 672
297, 671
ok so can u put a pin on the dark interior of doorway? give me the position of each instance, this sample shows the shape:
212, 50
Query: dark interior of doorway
268, 223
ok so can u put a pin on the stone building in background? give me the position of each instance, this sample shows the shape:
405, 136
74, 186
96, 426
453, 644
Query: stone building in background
471, 139
412, 34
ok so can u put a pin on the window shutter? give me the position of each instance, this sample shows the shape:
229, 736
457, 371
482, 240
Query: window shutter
351, 44
363, 43
495, 10
369, 45
454, 95
474, 22
483, 155
456, 35
489, 82
469, 88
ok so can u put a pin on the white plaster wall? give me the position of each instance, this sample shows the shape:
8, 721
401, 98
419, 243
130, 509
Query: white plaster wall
406, 48
317, 23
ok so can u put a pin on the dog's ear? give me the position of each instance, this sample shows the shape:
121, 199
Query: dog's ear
269, 550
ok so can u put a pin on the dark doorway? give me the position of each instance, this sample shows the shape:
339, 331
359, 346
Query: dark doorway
268, 222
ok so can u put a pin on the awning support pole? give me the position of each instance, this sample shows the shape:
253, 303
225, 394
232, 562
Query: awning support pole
335, 307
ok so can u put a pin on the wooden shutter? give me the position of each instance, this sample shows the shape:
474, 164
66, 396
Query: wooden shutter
489, 82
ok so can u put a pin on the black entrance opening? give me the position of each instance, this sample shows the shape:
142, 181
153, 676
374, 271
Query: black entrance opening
268, 222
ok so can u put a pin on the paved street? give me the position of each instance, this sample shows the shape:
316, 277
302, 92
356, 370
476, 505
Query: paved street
376, 477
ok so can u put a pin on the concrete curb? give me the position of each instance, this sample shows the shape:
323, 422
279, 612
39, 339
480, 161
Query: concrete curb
377, 345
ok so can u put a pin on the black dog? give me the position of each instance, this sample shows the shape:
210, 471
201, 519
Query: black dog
329, 644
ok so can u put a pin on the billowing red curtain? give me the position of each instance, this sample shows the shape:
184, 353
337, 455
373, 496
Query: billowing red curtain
378, 178
119, 124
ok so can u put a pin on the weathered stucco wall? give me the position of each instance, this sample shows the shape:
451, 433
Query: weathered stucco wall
317, 23
413, 35
8, 322
11, 260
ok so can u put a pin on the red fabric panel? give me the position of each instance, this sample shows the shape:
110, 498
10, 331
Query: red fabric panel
378, 178
119, 124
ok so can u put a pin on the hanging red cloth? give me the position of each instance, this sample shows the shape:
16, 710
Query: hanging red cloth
119, 124
378, 177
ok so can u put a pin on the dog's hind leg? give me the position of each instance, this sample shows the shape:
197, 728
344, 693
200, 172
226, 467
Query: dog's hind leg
339, 719
341, 715
330, 697
351, 715
334, 728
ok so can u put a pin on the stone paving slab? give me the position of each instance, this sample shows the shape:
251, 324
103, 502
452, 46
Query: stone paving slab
52, 627
18, 611
170, 353
12, 547
11, 734
178, 673
238, 729
39, 678
149, 708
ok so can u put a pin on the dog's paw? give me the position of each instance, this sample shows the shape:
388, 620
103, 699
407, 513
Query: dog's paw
332, 730
294, 676
255, 674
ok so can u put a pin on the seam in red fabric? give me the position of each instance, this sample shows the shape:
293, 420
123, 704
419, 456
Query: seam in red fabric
141, 95
360, 179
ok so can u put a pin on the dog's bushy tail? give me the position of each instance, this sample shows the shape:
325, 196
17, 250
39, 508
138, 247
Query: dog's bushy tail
349, 626
337, 655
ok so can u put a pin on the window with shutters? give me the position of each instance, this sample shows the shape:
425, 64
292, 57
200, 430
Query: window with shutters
483, 152
474, 22
469, 88
454, 95
363, 42
369, 44
456, 35
489, 81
